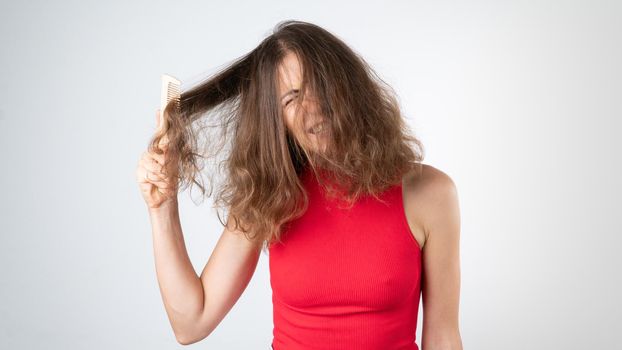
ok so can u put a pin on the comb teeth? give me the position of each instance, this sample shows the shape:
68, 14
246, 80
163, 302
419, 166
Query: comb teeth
171, 90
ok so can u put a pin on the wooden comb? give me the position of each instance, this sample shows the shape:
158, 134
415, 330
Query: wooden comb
171, 91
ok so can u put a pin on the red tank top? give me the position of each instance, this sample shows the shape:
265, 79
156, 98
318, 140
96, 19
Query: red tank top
346, 278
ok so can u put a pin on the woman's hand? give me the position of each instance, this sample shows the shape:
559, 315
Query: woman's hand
157, 186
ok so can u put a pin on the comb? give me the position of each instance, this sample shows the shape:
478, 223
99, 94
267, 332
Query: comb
171, 90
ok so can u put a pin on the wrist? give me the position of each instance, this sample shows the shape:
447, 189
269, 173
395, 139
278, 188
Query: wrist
167, 208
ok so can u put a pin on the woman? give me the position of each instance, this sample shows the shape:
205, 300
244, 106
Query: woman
323, 175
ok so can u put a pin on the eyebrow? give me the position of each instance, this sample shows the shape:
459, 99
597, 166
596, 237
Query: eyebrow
288, 93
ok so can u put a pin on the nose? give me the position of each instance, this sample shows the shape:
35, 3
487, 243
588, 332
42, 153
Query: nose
309, 103
311, 110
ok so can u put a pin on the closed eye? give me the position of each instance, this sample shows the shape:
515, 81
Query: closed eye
288, 101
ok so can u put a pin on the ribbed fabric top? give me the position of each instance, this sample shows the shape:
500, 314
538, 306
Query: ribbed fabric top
346, 278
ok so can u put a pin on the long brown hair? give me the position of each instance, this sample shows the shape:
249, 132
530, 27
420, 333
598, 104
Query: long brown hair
371, 147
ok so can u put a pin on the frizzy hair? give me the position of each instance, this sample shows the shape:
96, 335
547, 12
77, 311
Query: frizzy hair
370, 147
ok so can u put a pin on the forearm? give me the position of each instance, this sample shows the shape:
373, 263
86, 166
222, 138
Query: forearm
180, 287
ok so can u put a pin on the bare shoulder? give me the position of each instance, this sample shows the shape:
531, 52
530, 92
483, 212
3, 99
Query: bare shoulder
428, 194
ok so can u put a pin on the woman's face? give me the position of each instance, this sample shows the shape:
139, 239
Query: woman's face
301, 118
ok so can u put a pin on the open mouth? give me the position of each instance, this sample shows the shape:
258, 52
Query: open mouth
318, 128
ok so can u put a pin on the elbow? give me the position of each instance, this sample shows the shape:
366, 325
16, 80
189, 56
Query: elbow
445, 341
186, 337
186, 340
182, 340
191, 337
443, 346
193, 330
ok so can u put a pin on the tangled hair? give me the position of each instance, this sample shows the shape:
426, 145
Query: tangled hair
370, 146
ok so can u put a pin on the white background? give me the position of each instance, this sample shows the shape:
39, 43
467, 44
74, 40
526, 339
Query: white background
518, 101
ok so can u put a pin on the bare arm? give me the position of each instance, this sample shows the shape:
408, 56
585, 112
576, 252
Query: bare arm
441, 261
196, 305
